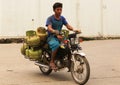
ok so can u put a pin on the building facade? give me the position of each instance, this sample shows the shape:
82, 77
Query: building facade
93, 17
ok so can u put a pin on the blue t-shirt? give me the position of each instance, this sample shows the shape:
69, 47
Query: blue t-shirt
56, 24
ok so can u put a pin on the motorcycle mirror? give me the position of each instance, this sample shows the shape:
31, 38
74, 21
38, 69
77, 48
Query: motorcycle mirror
80, 40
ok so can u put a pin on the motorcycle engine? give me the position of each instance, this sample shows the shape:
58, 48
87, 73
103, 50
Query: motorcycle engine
59, 64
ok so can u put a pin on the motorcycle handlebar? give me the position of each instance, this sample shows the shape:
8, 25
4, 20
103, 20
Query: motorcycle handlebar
77, 32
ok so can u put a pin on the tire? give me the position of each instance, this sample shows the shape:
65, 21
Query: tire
78, 81
44, 70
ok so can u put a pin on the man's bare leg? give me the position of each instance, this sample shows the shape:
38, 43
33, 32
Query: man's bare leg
52, 64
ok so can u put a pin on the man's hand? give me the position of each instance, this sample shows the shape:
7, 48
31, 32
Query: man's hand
56, 32
59, 37
77, 31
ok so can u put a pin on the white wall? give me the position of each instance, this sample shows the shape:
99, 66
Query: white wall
0, 17
16, 16
90, 17
111, 17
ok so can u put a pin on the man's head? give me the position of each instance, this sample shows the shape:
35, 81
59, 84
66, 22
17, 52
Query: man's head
57, 8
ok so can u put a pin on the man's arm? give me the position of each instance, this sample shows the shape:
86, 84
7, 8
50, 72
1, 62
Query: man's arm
71, 28
50, 29
54, 31
68, 26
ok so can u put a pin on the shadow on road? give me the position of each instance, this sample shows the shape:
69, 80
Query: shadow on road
58, 76
61, 77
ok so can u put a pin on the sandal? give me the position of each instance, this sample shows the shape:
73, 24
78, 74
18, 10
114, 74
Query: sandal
53, 66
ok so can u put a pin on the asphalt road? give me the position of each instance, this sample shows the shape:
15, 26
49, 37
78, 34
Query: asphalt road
103, 56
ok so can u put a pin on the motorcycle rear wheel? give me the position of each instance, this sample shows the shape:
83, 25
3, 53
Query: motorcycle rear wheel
44, 70
80, 69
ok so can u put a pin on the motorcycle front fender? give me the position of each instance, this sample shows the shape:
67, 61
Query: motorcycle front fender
79, 53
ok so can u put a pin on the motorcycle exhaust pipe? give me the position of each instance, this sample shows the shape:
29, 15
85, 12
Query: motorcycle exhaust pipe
41, 65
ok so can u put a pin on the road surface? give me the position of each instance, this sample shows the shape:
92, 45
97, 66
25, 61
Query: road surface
103, 56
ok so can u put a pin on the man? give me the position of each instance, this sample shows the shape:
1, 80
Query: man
54, 24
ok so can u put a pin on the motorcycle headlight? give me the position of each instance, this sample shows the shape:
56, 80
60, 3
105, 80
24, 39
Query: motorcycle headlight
75, 41
72, 41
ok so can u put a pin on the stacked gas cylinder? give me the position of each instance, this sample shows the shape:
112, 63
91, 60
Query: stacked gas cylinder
33, 42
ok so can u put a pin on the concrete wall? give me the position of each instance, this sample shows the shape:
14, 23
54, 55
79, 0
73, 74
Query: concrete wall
17, 16
111, 17
90, 17
93, 17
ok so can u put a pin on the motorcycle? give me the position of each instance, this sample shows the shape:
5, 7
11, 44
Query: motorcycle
69, 56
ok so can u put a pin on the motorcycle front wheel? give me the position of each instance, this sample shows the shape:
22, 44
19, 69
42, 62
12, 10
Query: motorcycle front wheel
80, 69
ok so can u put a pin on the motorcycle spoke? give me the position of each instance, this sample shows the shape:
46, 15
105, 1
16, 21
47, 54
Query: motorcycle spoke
80, 69
77, 66
79, 76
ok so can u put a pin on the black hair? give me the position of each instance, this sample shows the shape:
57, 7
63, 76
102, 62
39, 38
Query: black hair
56, 5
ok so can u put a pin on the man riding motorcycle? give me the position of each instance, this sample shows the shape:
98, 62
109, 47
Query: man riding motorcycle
54, 24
